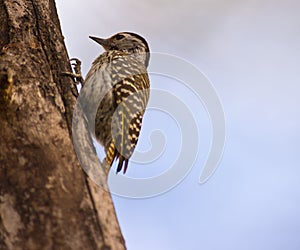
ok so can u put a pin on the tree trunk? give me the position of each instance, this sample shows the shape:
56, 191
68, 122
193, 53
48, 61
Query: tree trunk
46, 200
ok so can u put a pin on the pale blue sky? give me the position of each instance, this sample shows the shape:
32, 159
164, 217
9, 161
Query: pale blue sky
250, 51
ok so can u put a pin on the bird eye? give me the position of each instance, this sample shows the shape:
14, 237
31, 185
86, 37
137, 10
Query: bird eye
119, 36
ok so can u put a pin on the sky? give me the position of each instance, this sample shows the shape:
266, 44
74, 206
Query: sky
249, 51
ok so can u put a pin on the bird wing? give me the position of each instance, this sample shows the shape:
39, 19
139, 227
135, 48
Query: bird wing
131, 96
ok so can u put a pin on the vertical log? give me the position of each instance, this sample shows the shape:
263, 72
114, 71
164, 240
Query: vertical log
46, 200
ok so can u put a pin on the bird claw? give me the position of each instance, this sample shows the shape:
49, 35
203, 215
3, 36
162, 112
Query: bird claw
76, 67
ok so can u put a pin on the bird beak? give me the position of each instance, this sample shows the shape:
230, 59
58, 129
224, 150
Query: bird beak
103, 42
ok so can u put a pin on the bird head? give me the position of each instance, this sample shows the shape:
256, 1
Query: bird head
127, 42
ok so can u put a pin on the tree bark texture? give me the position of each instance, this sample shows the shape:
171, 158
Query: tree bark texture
46, 200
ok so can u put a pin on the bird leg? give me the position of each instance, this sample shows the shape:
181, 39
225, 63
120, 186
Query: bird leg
76, 75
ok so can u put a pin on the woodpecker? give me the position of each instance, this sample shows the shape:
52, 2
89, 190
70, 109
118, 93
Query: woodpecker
120, 77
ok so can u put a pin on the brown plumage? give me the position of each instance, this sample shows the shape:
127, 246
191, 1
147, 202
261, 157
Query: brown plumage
120, 76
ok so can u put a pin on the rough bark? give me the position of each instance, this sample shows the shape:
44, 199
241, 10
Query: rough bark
46, 200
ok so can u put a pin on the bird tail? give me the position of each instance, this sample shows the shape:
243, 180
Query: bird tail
111, 154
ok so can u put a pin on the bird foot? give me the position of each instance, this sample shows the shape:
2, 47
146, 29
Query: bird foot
76, 75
